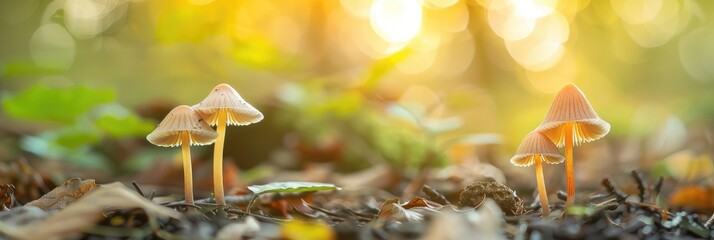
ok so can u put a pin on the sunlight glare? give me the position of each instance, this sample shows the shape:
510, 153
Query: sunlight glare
439, 3
396, 21
534, 8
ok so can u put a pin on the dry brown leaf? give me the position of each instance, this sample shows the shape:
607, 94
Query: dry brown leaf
82, 214
421, 202
410, 211
7, 196
65, 194
698, 198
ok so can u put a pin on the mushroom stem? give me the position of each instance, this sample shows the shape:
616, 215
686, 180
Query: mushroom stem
218, 158
569, 168
542, 193
187, 173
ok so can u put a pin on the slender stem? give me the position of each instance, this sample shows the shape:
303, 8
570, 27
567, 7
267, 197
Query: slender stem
569, 168
542, 193
187, 173
218, 158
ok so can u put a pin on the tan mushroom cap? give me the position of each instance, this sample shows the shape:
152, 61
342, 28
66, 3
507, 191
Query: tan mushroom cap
182, 119
534, 146
571, 106
224, 97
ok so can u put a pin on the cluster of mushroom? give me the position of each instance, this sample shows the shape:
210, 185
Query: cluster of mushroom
570, 121
185, 126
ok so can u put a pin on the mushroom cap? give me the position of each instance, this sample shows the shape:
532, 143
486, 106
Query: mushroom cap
571, 106
224, 97
535, 147
182, 120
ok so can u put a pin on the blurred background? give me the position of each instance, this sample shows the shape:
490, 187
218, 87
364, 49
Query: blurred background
361, 86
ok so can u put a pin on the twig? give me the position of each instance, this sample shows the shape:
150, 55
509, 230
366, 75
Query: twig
640, 184
257, 216
152, 195
613, 189
138, 189
435, 195
709, 222
182, 204
656, 189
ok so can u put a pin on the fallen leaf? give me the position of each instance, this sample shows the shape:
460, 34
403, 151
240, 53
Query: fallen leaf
7, 196
421, 202
291, 187
65, 194
29, 183
87, 211
288, 187
698, 198
411, 211
23, 216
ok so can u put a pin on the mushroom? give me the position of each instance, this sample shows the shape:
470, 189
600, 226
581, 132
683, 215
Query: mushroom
569, 122
184, 127
224, 106
537, 148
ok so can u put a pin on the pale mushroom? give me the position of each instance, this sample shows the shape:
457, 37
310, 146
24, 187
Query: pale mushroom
224, 106
184, 127
571, 121
537, 148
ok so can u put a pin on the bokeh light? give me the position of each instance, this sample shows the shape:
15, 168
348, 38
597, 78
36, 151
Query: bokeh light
696, 52
513, 51
88, 18
51, 46
534, 32
396, 21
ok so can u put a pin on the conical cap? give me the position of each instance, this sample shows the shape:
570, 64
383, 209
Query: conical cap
536, 147
224, 97
571, 106
182, 120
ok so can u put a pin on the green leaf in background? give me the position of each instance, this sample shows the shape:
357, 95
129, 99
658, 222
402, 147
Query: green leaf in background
382, 67
124, 126
74, 138
68, 145
26, 67
291, 187
43, 103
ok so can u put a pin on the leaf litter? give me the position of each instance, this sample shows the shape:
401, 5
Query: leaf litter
82, 209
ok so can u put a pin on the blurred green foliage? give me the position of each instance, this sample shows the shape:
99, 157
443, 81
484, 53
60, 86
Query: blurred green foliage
81, 118
172, 51
318, 115
64, 105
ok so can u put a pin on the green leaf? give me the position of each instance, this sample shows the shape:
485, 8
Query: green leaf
75, 138
63, 105
287, 187
383, 67
26, 67
696, 228
124, 126
68, 145
291, 187
578, 211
